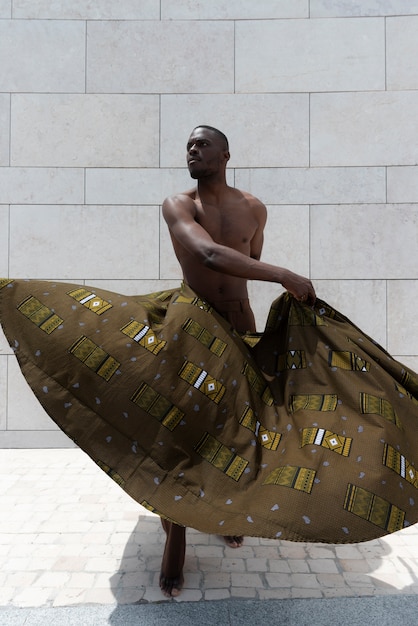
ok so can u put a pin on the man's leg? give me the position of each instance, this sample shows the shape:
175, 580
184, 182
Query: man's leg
171, 576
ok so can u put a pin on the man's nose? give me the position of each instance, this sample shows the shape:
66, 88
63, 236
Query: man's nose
193, 149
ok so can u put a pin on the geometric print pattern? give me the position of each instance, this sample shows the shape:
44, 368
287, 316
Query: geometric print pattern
200, 379
175, 408
268, 438
258, 383
293, 359
221, 457
5, 281
299, 478
346, 360
96, 359
206, 338
374, 509
370, 404
40, 315
399, 464
159, 407
90, 300
144, 336
313, 402
326, 439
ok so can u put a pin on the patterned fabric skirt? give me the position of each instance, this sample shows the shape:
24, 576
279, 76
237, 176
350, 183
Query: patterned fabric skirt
307, 431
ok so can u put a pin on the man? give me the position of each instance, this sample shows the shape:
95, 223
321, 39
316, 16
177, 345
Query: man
217, 235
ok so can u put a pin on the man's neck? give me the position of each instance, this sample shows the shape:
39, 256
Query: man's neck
214, 189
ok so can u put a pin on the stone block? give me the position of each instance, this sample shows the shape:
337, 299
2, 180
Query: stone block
364, 241
87, 9
61, 130
24, 411
294, 55
402, 52
402, 183
133, 186
4, 346
160, 57
315, 185
362, 301
49, 185
233, 9
402, 318
336, 8
282, 139
3, 386
4, 128
94, 242
5, 8
4, 239
364, 128
42, 56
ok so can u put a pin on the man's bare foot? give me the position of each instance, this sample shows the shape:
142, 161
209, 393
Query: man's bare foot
171, 587
234, 541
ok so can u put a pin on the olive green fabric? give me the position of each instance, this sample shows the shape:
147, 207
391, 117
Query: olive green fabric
307, 432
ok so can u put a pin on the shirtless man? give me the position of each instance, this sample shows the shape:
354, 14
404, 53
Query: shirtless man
217, 235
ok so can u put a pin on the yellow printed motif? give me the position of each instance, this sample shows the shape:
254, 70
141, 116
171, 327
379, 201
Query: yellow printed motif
42, 316
200, 379
304, 316
326, 439
152, 402
144, 336
90, 300
347, 361
299, 478
150, 508
410, 382
201, 304
258, 383
313, 402
399, 464
110, 472
268, 438
404, 392
221, 457
214, 344
96, 359
291, 360
4, 282
373, 508
378, 406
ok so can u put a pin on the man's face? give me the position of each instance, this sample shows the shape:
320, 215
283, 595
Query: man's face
205, 153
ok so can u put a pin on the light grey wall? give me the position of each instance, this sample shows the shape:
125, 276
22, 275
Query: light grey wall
319, 99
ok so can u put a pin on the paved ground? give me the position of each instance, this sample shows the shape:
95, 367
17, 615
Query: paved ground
75, 549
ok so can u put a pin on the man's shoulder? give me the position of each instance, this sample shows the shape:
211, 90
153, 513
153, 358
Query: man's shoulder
183, 203
185, 196
252, 200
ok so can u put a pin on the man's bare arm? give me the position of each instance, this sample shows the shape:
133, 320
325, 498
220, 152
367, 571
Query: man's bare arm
179, 213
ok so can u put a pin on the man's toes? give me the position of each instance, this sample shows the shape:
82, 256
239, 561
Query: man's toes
234, 541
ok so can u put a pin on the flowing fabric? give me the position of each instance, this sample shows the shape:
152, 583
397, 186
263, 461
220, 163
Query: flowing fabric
307, 431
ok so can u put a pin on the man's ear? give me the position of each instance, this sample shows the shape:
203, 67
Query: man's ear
227, 155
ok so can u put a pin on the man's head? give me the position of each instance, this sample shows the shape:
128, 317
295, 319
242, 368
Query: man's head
207, 152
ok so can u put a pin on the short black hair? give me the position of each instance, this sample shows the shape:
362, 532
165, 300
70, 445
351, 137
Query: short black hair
218, 132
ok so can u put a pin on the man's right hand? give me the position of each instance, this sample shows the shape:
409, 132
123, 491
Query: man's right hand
299, 286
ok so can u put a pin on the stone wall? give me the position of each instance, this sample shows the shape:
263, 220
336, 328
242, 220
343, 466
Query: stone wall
319, 99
